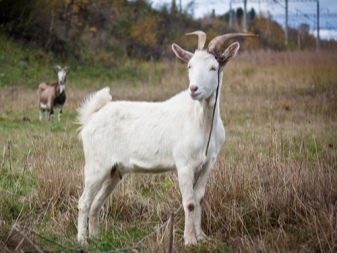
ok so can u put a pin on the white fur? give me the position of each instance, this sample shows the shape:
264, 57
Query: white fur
92, 104
125, 137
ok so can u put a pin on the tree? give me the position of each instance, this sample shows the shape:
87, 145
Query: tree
270, 33
252, 14
239, 15
174, 8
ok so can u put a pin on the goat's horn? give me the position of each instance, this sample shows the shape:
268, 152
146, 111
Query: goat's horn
216, 43
201, 38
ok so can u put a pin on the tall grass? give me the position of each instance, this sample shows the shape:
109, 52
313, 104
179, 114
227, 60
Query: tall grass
273, 188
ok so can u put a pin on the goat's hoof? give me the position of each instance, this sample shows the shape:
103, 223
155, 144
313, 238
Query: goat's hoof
202, 237
82, 240
190, 241
94, 234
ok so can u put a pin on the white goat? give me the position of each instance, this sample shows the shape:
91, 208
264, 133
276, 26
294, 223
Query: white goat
128, 137
53, 95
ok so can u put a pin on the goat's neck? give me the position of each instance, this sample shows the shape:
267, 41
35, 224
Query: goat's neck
211, 100
61, 88
204, 109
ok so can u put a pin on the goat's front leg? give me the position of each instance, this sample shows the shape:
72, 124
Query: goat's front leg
185, 178
60, 114
199, 191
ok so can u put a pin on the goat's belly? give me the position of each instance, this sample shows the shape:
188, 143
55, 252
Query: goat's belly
147, 166
43, 106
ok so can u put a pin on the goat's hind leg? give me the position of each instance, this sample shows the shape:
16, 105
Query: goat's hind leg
92, 184
43, 108
51, 114
108, 186
41, 113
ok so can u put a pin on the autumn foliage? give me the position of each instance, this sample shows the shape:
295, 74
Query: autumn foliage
133, 29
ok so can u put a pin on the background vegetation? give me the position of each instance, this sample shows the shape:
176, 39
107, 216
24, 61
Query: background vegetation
102, 31
273, 188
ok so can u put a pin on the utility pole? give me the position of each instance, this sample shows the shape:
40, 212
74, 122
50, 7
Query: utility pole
245, 16
316, 15
317, 37
299, 37
268, 26
230, 14
286, 24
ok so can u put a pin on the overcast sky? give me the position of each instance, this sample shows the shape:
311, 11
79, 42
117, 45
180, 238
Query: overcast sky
296, 11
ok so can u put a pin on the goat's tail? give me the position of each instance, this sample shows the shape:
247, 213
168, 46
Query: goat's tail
92, 104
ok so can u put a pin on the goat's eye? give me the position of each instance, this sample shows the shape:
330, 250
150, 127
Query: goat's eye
212, 68
189, 67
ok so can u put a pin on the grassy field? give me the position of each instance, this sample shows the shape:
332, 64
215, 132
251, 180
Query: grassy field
273, 189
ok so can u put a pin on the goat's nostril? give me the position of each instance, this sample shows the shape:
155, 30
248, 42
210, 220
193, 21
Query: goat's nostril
193, 88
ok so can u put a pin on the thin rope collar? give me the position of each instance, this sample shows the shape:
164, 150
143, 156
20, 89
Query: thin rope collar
216, 100
210, 132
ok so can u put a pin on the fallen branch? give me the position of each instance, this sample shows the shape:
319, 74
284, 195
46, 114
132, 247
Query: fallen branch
27, 239
171, 233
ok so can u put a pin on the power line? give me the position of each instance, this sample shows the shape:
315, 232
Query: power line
314, 17
329, 26
311, 16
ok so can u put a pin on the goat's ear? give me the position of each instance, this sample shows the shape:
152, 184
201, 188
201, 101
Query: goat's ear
229, 53
181, 53
67, 69
57, 69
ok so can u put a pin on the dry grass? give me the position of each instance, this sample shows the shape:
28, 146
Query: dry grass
273, 188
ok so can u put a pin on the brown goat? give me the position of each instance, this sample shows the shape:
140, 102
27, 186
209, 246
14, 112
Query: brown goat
53, 95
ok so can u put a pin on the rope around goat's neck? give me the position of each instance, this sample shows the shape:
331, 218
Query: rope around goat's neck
210, 132
216, 100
